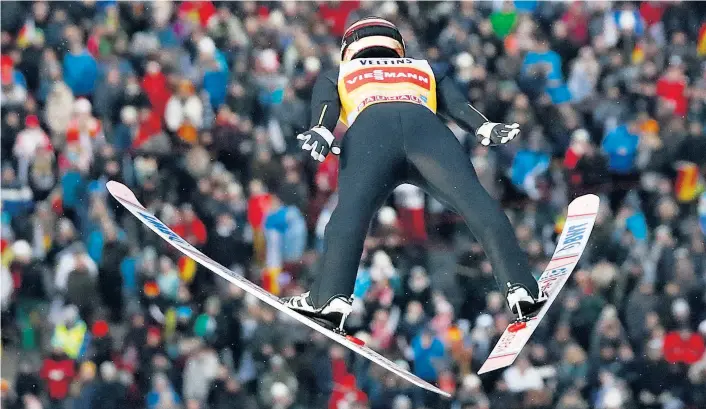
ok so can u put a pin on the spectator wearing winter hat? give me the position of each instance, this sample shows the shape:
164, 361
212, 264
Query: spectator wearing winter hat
31, 289
14, 85
214, 69
29, 141
109, 393
84, 131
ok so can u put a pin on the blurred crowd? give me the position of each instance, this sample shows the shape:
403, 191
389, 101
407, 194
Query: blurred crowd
195, 106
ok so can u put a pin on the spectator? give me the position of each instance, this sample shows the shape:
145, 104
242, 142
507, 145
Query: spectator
573, 372
109, 393
201, 368
110, 279
86, 385
184, 113
523, 376
80, 68
155, 86
278, 374
684, 346
58, 372
27, 145
672, 87
162, 394
588, 168
213, 65
428, 353
528, 166
82, 287
289, 223
59, 96
69, 338
190, 226
27, 382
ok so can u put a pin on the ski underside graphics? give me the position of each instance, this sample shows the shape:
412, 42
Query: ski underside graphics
579, 222
127, 198
572, 241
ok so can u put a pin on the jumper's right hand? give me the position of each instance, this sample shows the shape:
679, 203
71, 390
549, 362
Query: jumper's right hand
493, 133
319, 142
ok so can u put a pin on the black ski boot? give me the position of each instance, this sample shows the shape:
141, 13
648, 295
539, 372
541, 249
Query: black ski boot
522, 303
332, 314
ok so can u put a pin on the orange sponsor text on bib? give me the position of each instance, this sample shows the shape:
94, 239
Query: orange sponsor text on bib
367, 81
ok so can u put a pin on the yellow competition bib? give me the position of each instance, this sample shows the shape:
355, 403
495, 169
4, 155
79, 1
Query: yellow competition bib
366, 81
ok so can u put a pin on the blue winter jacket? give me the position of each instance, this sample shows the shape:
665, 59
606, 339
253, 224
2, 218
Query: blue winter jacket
424, 357
80, 73
621, 147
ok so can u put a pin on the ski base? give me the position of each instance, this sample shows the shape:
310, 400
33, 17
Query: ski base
572, 241
127, 198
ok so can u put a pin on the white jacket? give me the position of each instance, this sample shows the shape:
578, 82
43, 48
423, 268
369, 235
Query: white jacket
28, 141
177, 111
518, 381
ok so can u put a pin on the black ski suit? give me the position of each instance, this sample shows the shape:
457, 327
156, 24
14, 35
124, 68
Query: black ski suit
392, 143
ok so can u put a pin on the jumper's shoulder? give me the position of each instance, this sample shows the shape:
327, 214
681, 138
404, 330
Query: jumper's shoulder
440, 72
330, 74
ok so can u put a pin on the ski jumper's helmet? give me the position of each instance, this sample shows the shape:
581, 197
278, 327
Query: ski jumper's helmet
372, 37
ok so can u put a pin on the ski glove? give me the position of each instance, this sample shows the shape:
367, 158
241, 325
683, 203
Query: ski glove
318, 141
492, 133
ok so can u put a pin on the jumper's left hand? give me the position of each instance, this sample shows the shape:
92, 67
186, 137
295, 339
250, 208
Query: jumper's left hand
493, 133
319, 141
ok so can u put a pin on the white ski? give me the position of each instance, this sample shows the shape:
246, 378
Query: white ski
577, 229
127, 198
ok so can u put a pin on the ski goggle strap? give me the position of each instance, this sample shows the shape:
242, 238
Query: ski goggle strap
371, 32
369, 42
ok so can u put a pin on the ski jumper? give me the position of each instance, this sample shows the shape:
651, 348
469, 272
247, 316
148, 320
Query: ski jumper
396, 137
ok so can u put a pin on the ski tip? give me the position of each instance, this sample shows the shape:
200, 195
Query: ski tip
584, 204
120, 191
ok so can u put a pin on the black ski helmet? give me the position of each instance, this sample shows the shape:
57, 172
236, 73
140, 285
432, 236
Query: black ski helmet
372, 37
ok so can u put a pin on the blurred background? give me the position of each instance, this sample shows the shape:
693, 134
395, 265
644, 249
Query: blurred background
195, 106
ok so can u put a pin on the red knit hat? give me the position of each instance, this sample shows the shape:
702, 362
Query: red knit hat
100, 329
31, 121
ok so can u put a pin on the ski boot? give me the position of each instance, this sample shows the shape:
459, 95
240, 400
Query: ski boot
523, 305
332, 314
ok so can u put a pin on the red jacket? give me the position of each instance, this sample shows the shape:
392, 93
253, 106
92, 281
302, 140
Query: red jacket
194, 232
678, 349
346, 391
674, 92
149, 127
652, 11
58, 374
157, 90
336, 16
197, 11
